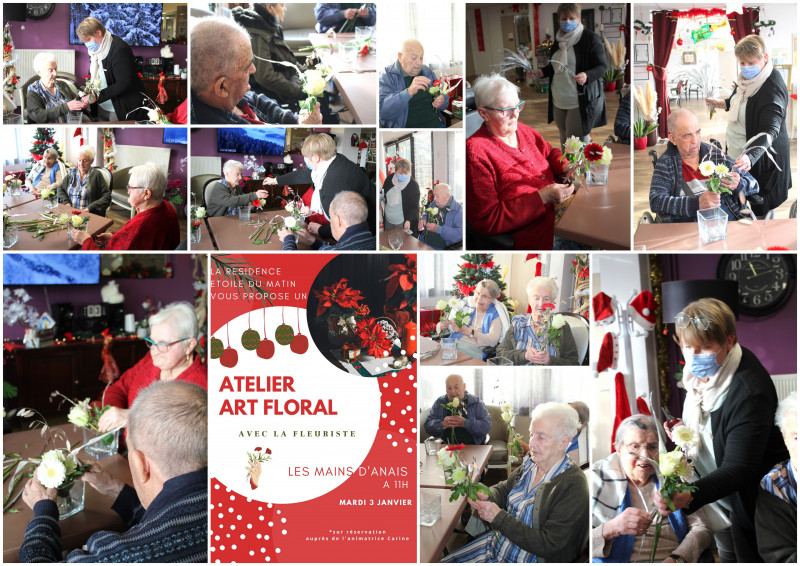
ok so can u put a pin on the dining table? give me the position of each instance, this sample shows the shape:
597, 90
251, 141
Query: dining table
97, 514
596, 214
329, 51
462, 358
431, 474
410, 243
743, 235
230, 233
433, 539
52, 241
12, 201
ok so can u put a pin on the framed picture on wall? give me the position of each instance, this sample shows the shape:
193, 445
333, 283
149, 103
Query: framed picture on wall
605, 16
689, 58
641, 53
616, 15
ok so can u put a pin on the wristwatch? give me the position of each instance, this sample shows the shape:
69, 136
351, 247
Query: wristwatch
472, 333
677, 558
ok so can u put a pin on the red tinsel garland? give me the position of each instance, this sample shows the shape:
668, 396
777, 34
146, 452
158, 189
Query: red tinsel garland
697, 13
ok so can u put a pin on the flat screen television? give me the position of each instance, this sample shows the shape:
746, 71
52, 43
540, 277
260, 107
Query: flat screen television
253, 141
51, 269
175, 135
137, 24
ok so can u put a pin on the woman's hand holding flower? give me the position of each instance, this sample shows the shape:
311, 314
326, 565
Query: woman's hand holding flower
79, 236
731, 180
631, 521
488, 510
556, 193
670, 425
75, 105
679, 500
580, 78
743, 163
709, 199
112, 418
540, 357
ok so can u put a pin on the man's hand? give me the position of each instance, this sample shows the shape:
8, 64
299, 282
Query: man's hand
631, 521
431, 227
305, 236
709, 200
313, 228
283, 232
580, 78
350, 13
743, 164
363, 13
314, 118
488, 510
112, 418
453, 421
438, 101
270, 181
556, 193
419, 83
103, 482
421, 225
35, 492
731, 180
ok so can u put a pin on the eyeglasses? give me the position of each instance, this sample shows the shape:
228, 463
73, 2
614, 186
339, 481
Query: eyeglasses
507, 112
683, 320
636, 448
161, 347
129, 188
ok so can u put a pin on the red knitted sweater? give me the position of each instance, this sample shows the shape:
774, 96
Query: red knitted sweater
502, 186
153, 229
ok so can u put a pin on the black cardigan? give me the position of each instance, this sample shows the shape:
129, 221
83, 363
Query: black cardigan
342, 175
766, 112
590, 58
747, 444
410, 199
125, 89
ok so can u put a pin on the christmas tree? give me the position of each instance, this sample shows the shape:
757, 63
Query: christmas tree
43, 139
477, 267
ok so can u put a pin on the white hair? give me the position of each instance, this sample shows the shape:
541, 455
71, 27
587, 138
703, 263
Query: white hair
180, 316
168, 422
443, 187
640, 422
488, 89
787, 409
88, 151
542, 282
51, 151
565, 416
491, 286
215, 48
151, 176
42, 59
351, 206
232, 164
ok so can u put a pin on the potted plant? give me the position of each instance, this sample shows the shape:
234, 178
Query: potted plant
641, 129
611, 76
648, 109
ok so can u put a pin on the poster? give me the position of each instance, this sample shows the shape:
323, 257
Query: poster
312, 458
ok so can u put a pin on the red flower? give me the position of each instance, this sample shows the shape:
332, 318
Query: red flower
550, 306
257, 203
373, 337
258, 449
403, 275
267, 450
141, 76
87, 76
454, 447
195, 224
337, 294
593, 152
364, 50
437, 82
76, 212
778, 249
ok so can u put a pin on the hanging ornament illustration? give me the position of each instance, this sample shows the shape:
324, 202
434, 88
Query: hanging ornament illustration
284, 333
217, 347
300, 342
250, 337
229, 356
266, 349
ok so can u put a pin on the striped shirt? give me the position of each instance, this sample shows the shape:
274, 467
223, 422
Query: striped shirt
78, 190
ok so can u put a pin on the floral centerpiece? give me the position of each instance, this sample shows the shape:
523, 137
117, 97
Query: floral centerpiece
342, 305
313, 81
13, 184
86, 417
586, 162
197, 215
49, 197
91, 88
715, 173
515, 450
549, 331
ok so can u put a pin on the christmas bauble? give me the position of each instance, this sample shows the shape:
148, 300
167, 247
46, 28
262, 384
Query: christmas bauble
284, 334
266, 349
250, 339
229, 358
299, 344
217, 348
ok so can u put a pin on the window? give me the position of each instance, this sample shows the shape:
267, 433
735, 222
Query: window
423, 162
438, 26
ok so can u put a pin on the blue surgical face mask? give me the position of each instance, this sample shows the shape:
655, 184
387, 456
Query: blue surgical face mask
403, 178
749, 71
308, 163
701, 365
92, 46
569, 25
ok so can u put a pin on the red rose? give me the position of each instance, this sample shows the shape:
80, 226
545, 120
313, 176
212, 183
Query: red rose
549, 306
267, 451
455, 447
87, 76
76, 212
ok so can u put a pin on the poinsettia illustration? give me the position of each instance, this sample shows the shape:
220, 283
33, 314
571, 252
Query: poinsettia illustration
338, 294
373, 337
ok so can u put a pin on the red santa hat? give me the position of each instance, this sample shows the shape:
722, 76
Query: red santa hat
609, 353
603, 307
643, 310
622, 409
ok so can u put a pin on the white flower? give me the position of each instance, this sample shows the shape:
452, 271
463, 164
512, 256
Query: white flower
315, 83
513, 459
78, 416
558, 321
685, 437
459, 475
507, 417
48, 193
573, 145
77, 220
446, 457
290, 222
707, 168
721, 169
200, 212
63, 218
51, 473
455, 403
152, 115
10, 177
289, 207
607, 156
54, 455
453, 302
505, 407
433, 210
441, 305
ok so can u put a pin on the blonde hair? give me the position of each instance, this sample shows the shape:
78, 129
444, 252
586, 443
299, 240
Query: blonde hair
569, 10
722, 323
321, 145
89, 27
750, 46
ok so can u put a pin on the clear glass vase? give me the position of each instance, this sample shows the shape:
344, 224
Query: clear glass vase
712, 223
108, 445
69, 499
50, 203
197, 233
597, 174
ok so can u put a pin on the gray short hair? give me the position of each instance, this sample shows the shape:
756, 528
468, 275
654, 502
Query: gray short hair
403, 165
51, 151
180, 316
168, 422
491, 286
42, 59
640, 422
566, 417
542, 282
214, 42
231, 164
675, 115
151, 176
786, 409
351, 206
443, 187
488, 88
89, 151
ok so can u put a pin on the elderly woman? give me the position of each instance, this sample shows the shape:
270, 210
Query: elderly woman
488, 321
155, 226
577, 62
511, 173
400, 199
172, 340
528, 341
758, 106
111, 61
225, 194
623, 488
45, 101
85, 188
539, 512
45, 173
730, 402
776, 507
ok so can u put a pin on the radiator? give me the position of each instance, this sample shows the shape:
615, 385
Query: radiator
784, 384
206, 166
130, 155
64, 57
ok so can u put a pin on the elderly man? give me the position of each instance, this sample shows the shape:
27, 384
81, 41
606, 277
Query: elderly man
222, 62
343, 17
442, 227
678, 188
404, 100
349, 227
467, 422
166, 510
225, 194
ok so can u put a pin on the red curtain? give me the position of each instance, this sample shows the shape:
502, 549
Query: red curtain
663, 34
742, 24
627, 34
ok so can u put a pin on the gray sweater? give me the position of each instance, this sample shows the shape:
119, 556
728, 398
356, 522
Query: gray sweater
222, 198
